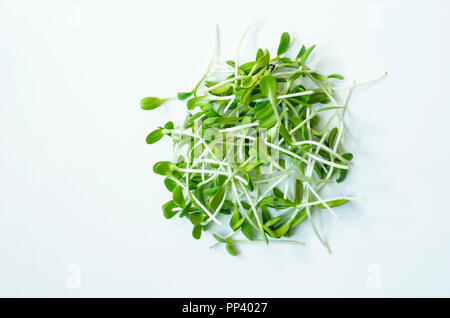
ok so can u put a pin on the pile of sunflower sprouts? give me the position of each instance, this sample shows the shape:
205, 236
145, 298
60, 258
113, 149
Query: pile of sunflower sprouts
254, 151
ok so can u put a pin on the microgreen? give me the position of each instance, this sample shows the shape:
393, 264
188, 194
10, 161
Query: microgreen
284, 43
154, 136
150, 103
253, 153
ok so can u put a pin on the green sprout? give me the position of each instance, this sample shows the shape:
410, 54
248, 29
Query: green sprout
254, 153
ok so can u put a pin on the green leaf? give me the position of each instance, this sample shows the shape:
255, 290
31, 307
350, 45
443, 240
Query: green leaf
221, 179
209, 121
296, 75
265, 201
286, 60
261, 61
222, 89
342, 175
197, 101
169, 125
269, 87
154, 136
246, 68
246, 96
283, 228
217, 237
284, 43
284, 202
197, 232
269, 231
149, 103
177, 196
273, 221
248, 179
347, 156
318, 98
184, 95
168, 209
259, 54
298, 191
251, 165
318, 76
236, 220
170, 184
163, 168
278, 193
211, 191
332, 137
285, 134
196, 218
306, 55
200, 196
336, 76
268, 122
245, 228
300, 53
225, 211
263, 111
332, 204
185, 212
231, 63
304, 132
217, 198
343, 172
265, 215
299, 217
192, 118
230, 248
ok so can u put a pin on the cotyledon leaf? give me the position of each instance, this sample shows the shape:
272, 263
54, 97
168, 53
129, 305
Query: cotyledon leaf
284, 43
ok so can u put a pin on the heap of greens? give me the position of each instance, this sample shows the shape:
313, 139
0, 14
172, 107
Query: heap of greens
254, 151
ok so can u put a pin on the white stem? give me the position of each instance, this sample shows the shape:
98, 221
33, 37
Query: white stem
308, 212
205, 210
252, 205
245, 137
224, 83
236, 66
327, 162
228, 106
302, 123
322, 146
212, 97
223, 163
320, 199
211, 172
327, 200
296, 94
286, 151
226, 130
268, 179
291, 73
360, 84
273, 185
196, 161
207, 180
218, 208
238, 201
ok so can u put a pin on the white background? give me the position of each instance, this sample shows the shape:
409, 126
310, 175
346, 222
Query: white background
77, 191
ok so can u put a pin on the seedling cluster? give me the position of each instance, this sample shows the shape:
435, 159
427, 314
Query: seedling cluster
254, 153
